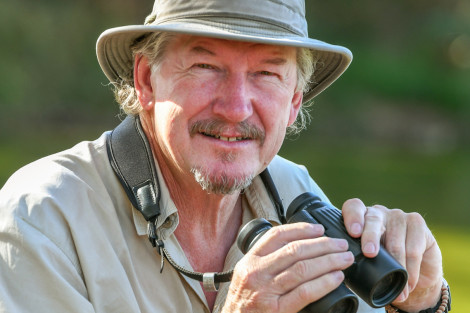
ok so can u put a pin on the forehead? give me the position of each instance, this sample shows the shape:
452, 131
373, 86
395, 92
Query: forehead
215, 46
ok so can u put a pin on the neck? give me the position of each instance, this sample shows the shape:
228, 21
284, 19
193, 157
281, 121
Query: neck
200, 212
207, 229
205, 218
213, 219
208, 223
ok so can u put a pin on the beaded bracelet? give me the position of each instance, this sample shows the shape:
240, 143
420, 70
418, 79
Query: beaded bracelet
442, 306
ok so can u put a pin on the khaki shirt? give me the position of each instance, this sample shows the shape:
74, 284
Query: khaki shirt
70, 240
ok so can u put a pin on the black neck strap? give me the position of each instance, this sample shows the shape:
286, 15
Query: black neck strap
273, 194
132, 160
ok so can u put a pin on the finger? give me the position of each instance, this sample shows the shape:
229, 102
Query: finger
394, 241
415, 247
419, 253
374, 228
310, 291
279, 236
425, 269
301, 250
354, 211
310, 269
284, 245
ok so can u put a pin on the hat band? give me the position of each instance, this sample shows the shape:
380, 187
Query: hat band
231, 24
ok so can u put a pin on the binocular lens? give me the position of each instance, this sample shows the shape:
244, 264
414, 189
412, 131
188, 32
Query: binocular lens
345, 306
388, 288
251, 233
330, 304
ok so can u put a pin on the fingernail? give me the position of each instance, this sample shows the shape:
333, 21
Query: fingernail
318, 227
342, 243
338, 276
356, 228
369, 248
348, 256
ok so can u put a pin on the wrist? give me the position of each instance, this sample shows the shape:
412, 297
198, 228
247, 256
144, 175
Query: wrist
442, 306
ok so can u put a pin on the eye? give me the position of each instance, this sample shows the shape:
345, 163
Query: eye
266, 73
204, 66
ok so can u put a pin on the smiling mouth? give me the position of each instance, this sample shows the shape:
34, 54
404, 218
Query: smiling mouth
223, 138
213, 127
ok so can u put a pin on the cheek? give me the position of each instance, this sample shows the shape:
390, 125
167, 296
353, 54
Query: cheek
188, 99
279, 136
275, 113
168, 121
275, 120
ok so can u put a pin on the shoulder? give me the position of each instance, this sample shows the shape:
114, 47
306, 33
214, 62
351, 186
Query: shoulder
283, 167
57, 170
60, 186
292, 179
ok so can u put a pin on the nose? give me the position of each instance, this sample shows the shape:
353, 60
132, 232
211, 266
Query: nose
234, 100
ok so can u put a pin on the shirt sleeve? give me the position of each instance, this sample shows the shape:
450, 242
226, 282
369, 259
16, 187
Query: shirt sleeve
292, 180
36, 274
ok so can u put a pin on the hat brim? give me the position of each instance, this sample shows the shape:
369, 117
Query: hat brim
114, 54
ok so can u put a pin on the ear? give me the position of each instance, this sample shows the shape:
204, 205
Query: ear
142, 82
296, 104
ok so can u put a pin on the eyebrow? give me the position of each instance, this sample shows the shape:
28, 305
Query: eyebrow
202, 50
275, 61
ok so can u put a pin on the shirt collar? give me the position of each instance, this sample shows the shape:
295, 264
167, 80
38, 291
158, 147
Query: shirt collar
168, 219
257, 199
260, 202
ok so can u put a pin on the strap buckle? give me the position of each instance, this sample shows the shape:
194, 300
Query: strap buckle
208, 282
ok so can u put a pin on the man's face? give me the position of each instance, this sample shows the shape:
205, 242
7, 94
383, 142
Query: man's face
221, 108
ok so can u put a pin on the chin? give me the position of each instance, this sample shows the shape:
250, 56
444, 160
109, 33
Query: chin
221, 183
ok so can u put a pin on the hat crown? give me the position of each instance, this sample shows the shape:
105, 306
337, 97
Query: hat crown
271, 22
285, 14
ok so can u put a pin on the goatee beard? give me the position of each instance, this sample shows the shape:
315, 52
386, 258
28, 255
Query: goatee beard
222, 184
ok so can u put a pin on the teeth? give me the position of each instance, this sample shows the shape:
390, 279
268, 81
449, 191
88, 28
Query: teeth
225, 138
228, 138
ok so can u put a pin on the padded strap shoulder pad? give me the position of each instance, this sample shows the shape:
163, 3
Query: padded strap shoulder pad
132, 160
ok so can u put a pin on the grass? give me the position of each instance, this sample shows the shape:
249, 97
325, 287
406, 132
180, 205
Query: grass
456, 253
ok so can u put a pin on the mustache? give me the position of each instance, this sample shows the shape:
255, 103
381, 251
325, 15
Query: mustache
216, 126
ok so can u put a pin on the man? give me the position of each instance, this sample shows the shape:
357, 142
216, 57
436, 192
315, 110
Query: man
213, 87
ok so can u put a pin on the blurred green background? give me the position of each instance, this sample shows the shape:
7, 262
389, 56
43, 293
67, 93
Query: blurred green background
393, 130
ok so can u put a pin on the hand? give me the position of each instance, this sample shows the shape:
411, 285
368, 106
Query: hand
289, 267
406, 237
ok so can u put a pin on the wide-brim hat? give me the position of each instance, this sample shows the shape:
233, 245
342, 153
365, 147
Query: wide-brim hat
276, 22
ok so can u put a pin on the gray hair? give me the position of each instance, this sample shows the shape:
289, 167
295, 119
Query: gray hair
153, 46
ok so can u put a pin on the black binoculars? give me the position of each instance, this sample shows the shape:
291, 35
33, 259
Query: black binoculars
378, 281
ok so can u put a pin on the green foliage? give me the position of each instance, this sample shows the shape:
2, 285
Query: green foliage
429, 184
48, 59
402, 50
